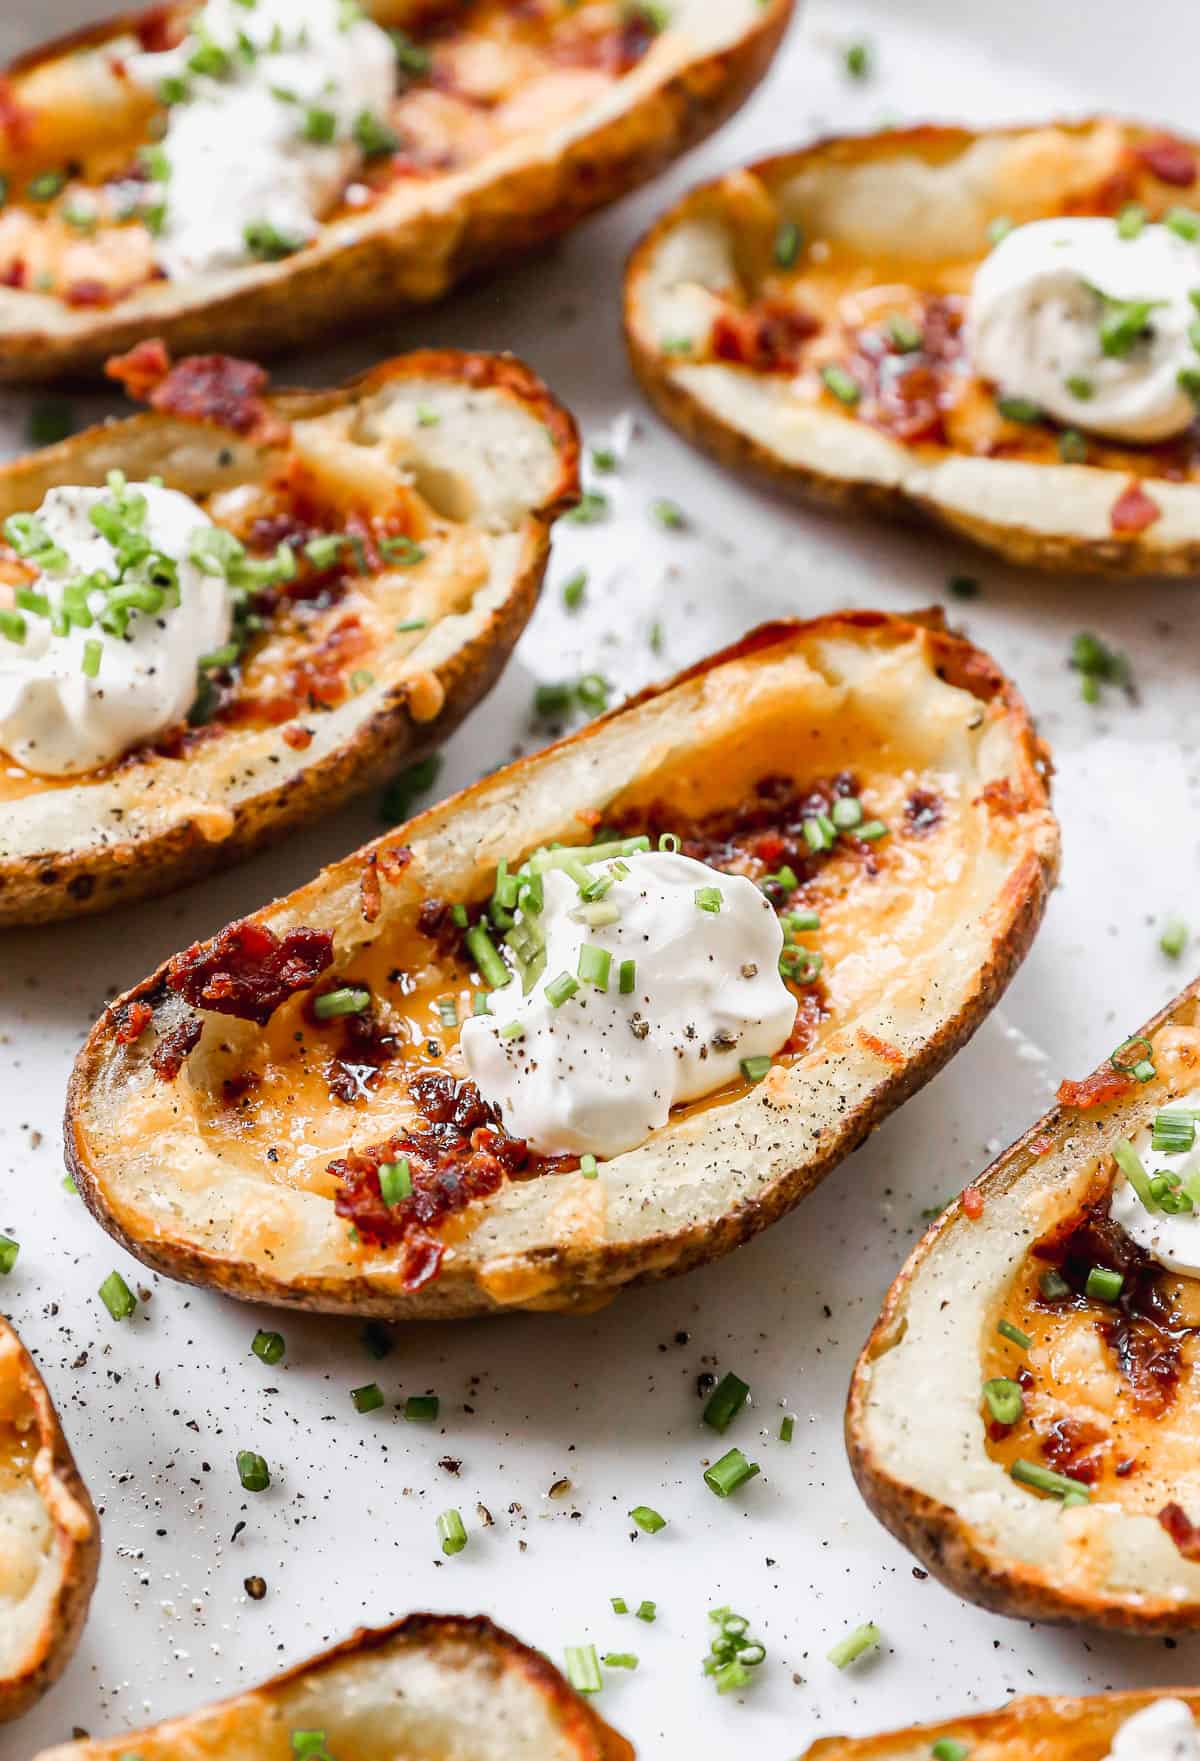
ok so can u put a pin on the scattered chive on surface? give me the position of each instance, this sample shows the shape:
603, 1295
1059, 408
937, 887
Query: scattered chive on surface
368, 1398
1031, 1473
787, 1427
730, 1472
583, 1669
346, 1000
422, 1408
647, 1611
9, 1250
725, 1402
253, 1471
620, 1660
1008, 1331
1103, 1284
1174, 937
269, 1348
647, 1520
451, 1532
949, 1749
862, 1638
754, 1069
1003, 1399
117, 1297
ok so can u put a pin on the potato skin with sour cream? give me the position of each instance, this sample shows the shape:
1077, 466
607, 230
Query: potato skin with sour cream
801, 262
920, 933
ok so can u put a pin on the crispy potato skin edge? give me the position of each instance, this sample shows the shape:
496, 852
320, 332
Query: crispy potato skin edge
55, 885
499, 222
79, 1559
932, 1530
584, 1278
1116, 557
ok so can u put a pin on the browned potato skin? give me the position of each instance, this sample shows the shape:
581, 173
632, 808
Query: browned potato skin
441, 1637
596, 1274
302, 298
45, 889
79, 1559
1126, 556
933, 1531
1038, 1727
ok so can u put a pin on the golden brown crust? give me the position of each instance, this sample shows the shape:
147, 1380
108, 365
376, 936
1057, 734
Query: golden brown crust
575, 1271
427, 253
932, 1529
76, 1545
1022, 542
87, 878
1059, 1727
484, 1675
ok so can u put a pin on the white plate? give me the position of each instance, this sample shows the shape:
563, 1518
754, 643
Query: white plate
158, 1408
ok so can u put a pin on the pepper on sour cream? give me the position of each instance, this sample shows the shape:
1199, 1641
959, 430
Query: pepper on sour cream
657, 982
1091, 321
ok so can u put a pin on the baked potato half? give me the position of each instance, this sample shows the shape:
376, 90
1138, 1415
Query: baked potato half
234, 1128
1054, 1476
1058, 1727
804, 319
414, 507
49, 1536
502, 126
429, 1687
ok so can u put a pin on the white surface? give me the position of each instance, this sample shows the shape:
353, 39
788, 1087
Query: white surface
157, 1409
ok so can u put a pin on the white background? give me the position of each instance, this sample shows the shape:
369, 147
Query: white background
157, 1409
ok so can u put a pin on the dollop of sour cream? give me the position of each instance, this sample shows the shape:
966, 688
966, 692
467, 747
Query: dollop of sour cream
601, 1069
1056, 318
1162, 1731
272, 105
67, 707
1173, 1239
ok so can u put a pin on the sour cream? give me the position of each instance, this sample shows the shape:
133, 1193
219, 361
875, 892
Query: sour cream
268, 143
1174, 1241
1037, 308
1162, 1731
602, 1070
55, 718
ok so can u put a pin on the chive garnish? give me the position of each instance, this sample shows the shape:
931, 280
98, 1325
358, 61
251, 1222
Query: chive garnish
1130, 1164
483, 951
647, 1611
395, 1181
949, 1749
574, 588
730, 1472
1173, 1132
117, 1297
725, 1402
588, 1166
268, 1347
788, 240
708, 899
620, 1660
253, 1471
647, 1520
1103, 1284
906, 336
1174, 937
754, 1069
1052, 1287
787, 1427
346, 1000
843, 386
1141, 1064
1003, 1399
1029, 1473
862, 1638
618, 1605
1019, 409
451, 1532
1008, 1331
594, 966
368, 1398
1131, 220
627, 977
9, 1250
422, 1409
561, 989
583, 1669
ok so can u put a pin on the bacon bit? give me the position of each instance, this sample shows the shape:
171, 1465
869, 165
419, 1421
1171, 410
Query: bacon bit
247, 971
923, 811
972, 1203
297, 737
16, 119
370, 892
1182, 1530
1170, 160
393, 861
1001, 798
16, 274
172, 1050
1075, 1447
216, 389
1103, 1085
1133, 509
88, 292
881, 1048
319, 680
768, 337
1041, 1146
366, 1046
132, 1022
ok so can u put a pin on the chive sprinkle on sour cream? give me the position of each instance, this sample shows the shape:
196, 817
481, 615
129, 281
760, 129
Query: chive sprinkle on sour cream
645, 979
1156, 1199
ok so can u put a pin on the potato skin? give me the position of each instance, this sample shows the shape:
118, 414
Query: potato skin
78, 1547
54, 885
446, 1641
933, 1531
580, 1275
289, 304
1023, 545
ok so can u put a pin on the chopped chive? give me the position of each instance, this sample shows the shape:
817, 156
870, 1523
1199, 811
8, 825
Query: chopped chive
846, 813
999, 229
963, 587
647, 1520
799, 921
1184, 223
754, 1069
1124, 323
253, 1471
9, 1249
1130, 1164
1029, 1473
1174, 937
574, 589
12, 625
1072, 447
486, 956
618, 1605
117, 1297
949, 1749
447, 1008
788, 240
422, 1409
604, 458
708, 899
844, 387
1104, 1284
862, 1638
411, 624
561, 989
594, 965
726, 1401
395, 1181
1079, 387
1131, 220
451, 1532
1052, 1287
620, 1660
583, 1669
368, 1398
906, 336
1174, 1132
269, 1347
591, 506
92, 652
801, 965
858, 60
346, 1000
784, 878
1003, 1399
730, 1472
512, 1030
668, 514
627, 977
872, 831
588, 1166
1129, 1066
820, 833
647, 1611
787, 1428
1008, 1331
1019, 409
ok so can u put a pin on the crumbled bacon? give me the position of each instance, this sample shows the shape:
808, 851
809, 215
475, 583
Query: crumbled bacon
172, 1050
217, 389
319, 680
297, 737
1182, 1530
1170, 160
132, 1022
248, 971
1075, 1447
88, 291
923, 811
972, 1203
369, 890
1103, 1085
768, 337
1133, 511
366, 1045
